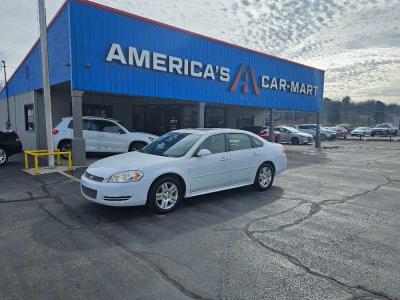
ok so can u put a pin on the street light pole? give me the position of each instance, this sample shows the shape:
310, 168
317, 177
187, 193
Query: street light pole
46, 80
3, 65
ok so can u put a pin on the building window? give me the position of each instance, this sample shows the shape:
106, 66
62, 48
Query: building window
215, 117
190, 117
96, 110
29, 117
243, 120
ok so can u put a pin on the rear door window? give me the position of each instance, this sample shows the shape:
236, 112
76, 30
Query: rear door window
239, 141
107, 126
87, 124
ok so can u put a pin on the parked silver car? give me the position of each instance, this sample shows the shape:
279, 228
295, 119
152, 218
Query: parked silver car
325, 134
293, 135
363, 131
384, 129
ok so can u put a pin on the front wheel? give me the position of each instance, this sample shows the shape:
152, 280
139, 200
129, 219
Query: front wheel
295, 141
323, 137
3, 157
264, 177
164, 195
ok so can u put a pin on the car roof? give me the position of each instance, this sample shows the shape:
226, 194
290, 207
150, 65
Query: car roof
93, 118
211, 130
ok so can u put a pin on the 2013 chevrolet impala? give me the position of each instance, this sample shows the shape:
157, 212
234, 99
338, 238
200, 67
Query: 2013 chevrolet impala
184, 163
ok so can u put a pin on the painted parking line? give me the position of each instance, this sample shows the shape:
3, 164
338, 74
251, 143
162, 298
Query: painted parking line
69, 176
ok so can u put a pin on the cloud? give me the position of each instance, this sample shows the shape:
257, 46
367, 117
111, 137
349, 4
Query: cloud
356, 42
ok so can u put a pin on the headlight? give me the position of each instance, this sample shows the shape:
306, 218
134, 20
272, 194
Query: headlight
151, 138
126, 177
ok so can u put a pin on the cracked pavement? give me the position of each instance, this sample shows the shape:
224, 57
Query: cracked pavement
328, 229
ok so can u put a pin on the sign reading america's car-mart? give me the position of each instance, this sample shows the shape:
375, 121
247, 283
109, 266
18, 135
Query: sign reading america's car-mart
181, 66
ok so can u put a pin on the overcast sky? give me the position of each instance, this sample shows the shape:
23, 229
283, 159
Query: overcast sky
357, 42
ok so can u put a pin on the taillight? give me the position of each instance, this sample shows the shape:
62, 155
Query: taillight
55, 131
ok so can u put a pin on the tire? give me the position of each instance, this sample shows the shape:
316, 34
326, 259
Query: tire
134, 146
264, 177
3, 157
323, 137
165, 195
65, 146
372, 134
295, 141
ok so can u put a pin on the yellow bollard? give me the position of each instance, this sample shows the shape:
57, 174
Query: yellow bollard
36, 164
70, 161
26, 160
58, 159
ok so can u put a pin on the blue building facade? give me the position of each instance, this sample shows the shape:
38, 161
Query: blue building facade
102, 50
158, 73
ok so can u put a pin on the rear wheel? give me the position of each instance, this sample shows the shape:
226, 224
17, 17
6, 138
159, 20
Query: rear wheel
134, 146
164, 195
264, 177
3, 157
295, 141
65, 146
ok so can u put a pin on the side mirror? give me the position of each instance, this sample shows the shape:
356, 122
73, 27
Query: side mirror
121, 131
203, 152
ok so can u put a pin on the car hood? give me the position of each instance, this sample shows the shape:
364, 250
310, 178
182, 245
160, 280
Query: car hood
124, 162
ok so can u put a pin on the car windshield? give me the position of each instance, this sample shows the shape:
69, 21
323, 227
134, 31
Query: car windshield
172, 144
361, 128
382, 126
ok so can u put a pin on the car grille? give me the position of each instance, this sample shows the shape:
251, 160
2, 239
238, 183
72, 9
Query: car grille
93, 177
91, 193
119, 198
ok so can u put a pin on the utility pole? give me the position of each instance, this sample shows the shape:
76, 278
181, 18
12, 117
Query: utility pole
46, 80
3, 65
271, 127
318, 133
293, 117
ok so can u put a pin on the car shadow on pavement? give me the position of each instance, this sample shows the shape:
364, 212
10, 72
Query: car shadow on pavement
141, 226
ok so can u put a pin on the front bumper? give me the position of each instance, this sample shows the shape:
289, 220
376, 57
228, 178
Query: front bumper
115, 194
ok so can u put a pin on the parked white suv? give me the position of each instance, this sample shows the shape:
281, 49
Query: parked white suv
101, 135
325, 133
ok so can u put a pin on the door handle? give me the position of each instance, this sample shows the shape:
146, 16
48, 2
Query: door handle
223, 159
256, 154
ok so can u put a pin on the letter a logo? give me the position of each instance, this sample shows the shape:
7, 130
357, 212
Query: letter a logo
246, 80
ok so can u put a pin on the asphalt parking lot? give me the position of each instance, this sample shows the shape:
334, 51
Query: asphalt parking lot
328, 229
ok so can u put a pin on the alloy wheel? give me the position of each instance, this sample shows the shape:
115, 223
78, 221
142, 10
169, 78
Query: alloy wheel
265, 176
166, 195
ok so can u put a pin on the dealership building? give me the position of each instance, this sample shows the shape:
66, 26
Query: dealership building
151, 76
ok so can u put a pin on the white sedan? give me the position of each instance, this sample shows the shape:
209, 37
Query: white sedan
184, 163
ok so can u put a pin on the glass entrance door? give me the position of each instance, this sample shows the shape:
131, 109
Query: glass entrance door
157, 119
